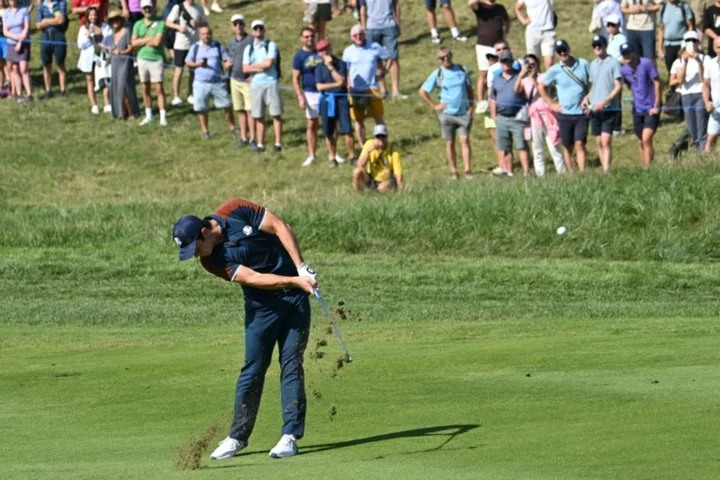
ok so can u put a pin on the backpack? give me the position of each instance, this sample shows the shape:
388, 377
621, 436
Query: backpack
217, 45
681, 4
439, 77
266, 45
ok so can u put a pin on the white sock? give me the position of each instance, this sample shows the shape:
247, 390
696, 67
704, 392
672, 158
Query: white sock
455, 32
260, 145
163, 114
434, 32
148, 112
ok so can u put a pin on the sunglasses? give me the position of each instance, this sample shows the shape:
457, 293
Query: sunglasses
258, 27
562, 52
597, 45
238, 22
147, 9
531, 64
443, 58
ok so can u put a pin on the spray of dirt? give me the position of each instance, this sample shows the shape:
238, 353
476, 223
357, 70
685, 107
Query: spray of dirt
190, 456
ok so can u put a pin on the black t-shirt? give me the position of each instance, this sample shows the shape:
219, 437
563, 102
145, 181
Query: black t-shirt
711, 20
491, 23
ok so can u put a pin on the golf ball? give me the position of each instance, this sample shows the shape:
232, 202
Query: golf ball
561, 230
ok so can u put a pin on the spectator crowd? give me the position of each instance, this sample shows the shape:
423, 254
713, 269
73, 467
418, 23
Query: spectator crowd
547, 98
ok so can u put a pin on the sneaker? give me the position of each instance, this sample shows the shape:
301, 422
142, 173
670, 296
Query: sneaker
333, 162
95, 110
206, 11
339, 159
63, 94
454, 176
176, 101
190, 98
4, 93
674, 154
278, 149
145, 121
216, 8
352, 161
228, 448
253, 144
468, 176
163, 122
21, 100
286, 447
257, 148
499, 171
241, 143
481, 106
308, 161
436, 40
206, 136
107, 109
46, 97
460, 38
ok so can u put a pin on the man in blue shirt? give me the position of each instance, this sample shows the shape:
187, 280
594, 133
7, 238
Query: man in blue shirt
571, 77
52, 19
303, 78
245, 243
508, 100
381, 19
674, 20
455, 107
261, 60
331, 82
207, 57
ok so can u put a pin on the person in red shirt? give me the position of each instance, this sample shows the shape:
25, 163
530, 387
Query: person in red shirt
79, 7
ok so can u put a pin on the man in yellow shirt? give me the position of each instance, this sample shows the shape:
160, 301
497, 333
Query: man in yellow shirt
379, 166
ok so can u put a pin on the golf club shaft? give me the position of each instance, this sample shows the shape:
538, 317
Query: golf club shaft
332, 323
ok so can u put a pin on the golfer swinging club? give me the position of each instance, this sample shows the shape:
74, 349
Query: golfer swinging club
245, 243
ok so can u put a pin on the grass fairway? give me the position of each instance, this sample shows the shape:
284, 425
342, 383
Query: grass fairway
485, 345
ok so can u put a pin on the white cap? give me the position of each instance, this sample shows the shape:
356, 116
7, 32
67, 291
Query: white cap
146, 3
380, 129
691, 35
257, 23
237, 17
613, 18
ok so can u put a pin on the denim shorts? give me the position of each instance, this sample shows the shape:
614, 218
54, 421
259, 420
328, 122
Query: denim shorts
642, 42
202, 91
387, 37
432, 4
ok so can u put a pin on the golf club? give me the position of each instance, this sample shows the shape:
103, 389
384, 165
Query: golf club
332, 323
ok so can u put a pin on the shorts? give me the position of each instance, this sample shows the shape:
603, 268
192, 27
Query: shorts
432, 4
714, 122
541, 43
602, 122
387, 37
450, 124
373, 184
14, 57
240, 93
3, 48
642, 42
202, 91
573, 129
316, 12
312, 100
179, 58
55, 46
489, 122
362, 102
507, 131
642, 121
266, 97
341, 120
150, 70
481, 51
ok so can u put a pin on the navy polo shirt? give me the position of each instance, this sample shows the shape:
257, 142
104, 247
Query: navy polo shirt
323, 75
246, 245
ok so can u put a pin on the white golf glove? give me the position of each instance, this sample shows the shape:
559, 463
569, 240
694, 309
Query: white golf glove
306, 271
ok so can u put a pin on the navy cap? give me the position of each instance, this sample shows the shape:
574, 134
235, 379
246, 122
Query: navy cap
599, 40
185, 233
625, 48
561, 45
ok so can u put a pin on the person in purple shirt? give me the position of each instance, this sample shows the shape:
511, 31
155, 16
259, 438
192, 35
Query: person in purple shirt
641, 76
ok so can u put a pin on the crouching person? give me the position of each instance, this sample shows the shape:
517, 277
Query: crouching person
379, 166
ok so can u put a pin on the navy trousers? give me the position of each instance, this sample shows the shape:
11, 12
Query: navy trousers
285, 321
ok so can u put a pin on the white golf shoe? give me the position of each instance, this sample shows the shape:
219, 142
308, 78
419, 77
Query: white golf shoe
286, 447
216, 8
308, 161
228, 448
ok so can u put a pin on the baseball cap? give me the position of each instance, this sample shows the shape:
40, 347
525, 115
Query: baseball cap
380, 130
561, 45
625, 48
491, 55
185, 233
237, 18
599, 40
505, 56
146, 3
691, 35
257, 23
613, 18
322, 45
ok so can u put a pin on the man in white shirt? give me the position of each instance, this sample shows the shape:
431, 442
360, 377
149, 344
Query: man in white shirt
184, 18
711, 96
540, 31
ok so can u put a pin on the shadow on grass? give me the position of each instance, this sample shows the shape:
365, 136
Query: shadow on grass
449, 431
